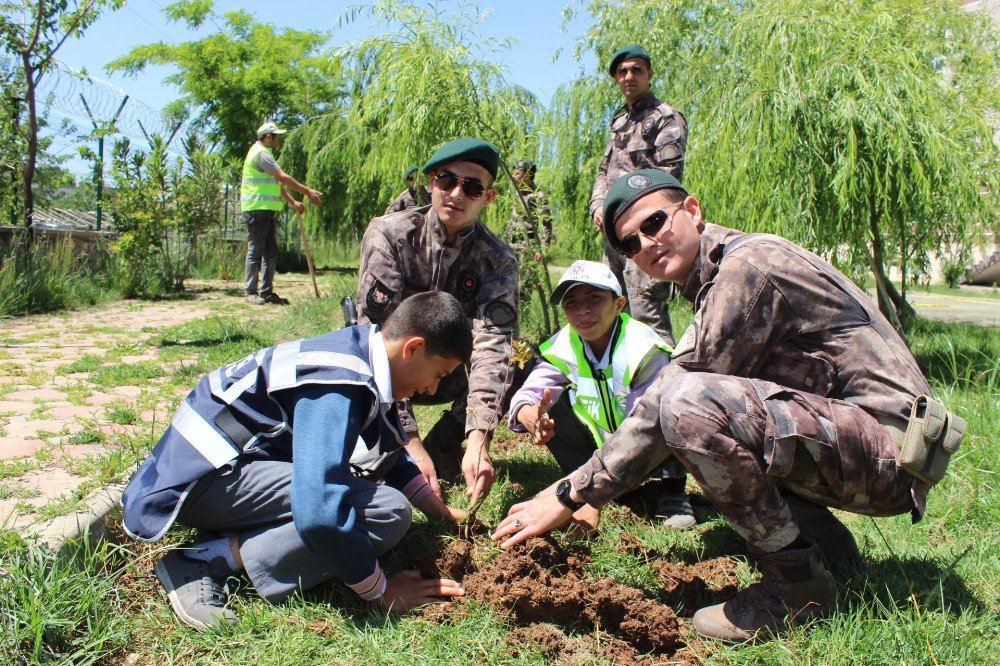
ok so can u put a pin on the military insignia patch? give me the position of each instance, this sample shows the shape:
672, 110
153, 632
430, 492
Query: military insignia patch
379, 297
647, 127
467, 286
500, 314
688, 341
638, 182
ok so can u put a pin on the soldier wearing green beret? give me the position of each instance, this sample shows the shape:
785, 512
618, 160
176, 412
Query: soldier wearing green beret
444, 247
411, 197
646, 133
788, 394
528, 232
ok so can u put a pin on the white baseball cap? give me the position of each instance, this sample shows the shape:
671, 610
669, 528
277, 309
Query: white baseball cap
269, 128
586, 272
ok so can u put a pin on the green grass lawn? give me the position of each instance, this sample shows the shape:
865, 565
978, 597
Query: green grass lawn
930, 594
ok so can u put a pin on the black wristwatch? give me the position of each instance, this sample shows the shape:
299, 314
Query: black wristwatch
562, 492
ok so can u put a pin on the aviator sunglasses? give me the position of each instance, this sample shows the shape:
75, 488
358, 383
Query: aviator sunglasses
632, 245
447, 181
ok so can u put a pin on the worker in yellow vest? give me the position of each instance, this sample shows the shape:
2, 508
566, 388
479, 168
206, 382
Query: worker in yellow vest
263, 193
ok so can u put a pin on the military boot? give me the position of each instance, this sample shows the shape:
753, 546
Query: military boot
835, 541
794, 588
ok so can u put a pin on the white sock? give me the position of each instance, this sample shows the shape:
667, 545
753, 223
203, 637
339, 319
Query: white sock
210, 550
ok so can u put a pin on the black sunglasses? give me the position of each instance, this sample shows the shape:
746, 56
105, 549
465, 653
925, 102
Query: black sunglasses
631, 245
447, 181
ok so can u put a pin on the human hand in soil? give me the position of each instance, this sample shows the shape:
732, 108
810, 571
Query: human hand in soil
532, 518
434, 507
477, 466
408, 589
415, 447
535, 419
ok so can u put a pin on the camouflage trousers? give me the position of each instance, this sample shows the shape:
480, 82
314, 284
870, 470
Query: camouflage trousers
746, 441
648, 299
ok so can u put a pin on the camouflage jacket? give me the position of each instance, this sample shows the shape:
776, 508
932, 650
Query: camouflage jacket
404, 254
407, 199
649, 135
522, 231
768, 309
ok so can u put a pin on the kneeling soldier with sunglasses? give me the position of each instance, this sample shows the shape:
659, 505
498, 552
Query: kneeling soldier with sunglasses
444, 247
789, 393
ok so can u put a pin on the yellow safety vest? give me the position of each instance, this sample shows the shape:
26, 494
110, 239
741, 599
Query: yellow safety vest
259, 190
598, 396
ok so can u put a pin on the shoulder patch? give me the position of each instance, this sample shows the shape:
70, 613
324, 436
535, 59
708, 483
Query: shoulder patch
688, 340
500, 314
467, 286
379, 297
647, 126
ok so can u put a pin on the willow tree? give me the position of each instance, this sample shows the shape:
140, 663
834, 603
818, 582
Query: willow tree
429, 78
857, 128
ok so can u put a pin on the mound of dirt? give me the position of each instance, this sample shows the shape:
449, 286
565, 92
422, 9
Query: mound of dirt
540, 582
695, 585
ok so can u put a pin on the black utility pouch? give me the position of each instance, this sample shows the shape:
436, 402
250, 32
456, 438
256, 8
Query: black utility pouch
932, 436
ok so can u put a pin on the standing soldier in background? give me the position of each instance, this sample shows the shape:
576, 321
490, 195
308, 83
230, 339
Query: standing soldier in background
649, 134
529, 233
411, 197
263, 195
444, 247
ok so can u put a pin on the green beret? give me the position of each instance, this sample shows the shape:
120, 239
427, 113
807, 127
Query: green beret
627, 190
626, 52
409, 173
477, 151
525, 165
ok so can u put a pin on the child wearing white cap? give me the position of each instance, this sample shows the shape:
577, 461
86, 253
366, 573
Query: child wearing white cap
591, 374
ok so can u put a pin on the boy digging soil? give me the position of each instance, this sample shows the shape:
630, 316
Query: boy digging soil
591, 373
294, 457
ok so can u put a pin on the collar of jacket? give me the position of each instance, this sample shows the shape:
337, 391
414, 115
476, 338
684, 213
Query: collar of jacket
643, 103
441, 235
706, 263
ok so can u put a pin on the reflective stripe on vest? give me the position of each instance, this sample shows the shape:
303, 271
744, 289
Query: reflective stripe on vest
599, 400
258, 189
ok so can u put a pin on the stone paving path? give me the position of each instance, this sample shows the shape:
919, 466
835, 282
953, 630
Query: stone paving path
57, 424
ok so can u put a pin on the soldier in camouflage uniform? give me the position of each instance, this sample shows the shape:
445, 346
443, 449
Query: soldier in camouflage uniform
529, 234
789, 393
408, 198
646, 134
444, 247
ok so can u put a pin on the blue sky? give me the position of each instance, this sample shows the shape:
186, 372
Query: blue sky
536, 23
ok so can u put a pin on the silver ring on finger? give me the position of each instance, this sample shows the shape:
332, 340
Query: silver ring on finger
518, 524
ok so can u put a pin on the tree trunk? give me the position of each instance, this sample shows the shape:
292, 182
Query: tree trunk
28, 173
890, 303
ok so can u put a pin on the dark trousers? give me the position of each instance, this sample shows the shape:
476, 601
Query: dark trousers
262, 250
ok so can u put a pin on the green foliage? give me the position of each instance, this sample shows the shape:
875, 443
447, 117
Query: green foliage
246, 73
954, 271
430, 79
41, 277
30, 34
162, 209
835, 124
141, 210
60, 609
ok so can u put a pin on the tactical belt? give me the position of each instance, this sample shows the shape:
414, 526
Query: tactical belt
932, 436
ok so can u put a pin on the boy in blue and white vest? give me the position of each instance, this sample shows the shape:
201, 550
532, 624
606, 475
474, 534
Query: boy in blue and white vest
591, 374
295, 455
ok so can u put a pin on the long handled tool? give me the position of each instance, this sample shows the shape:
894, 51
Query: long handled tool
305, 247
